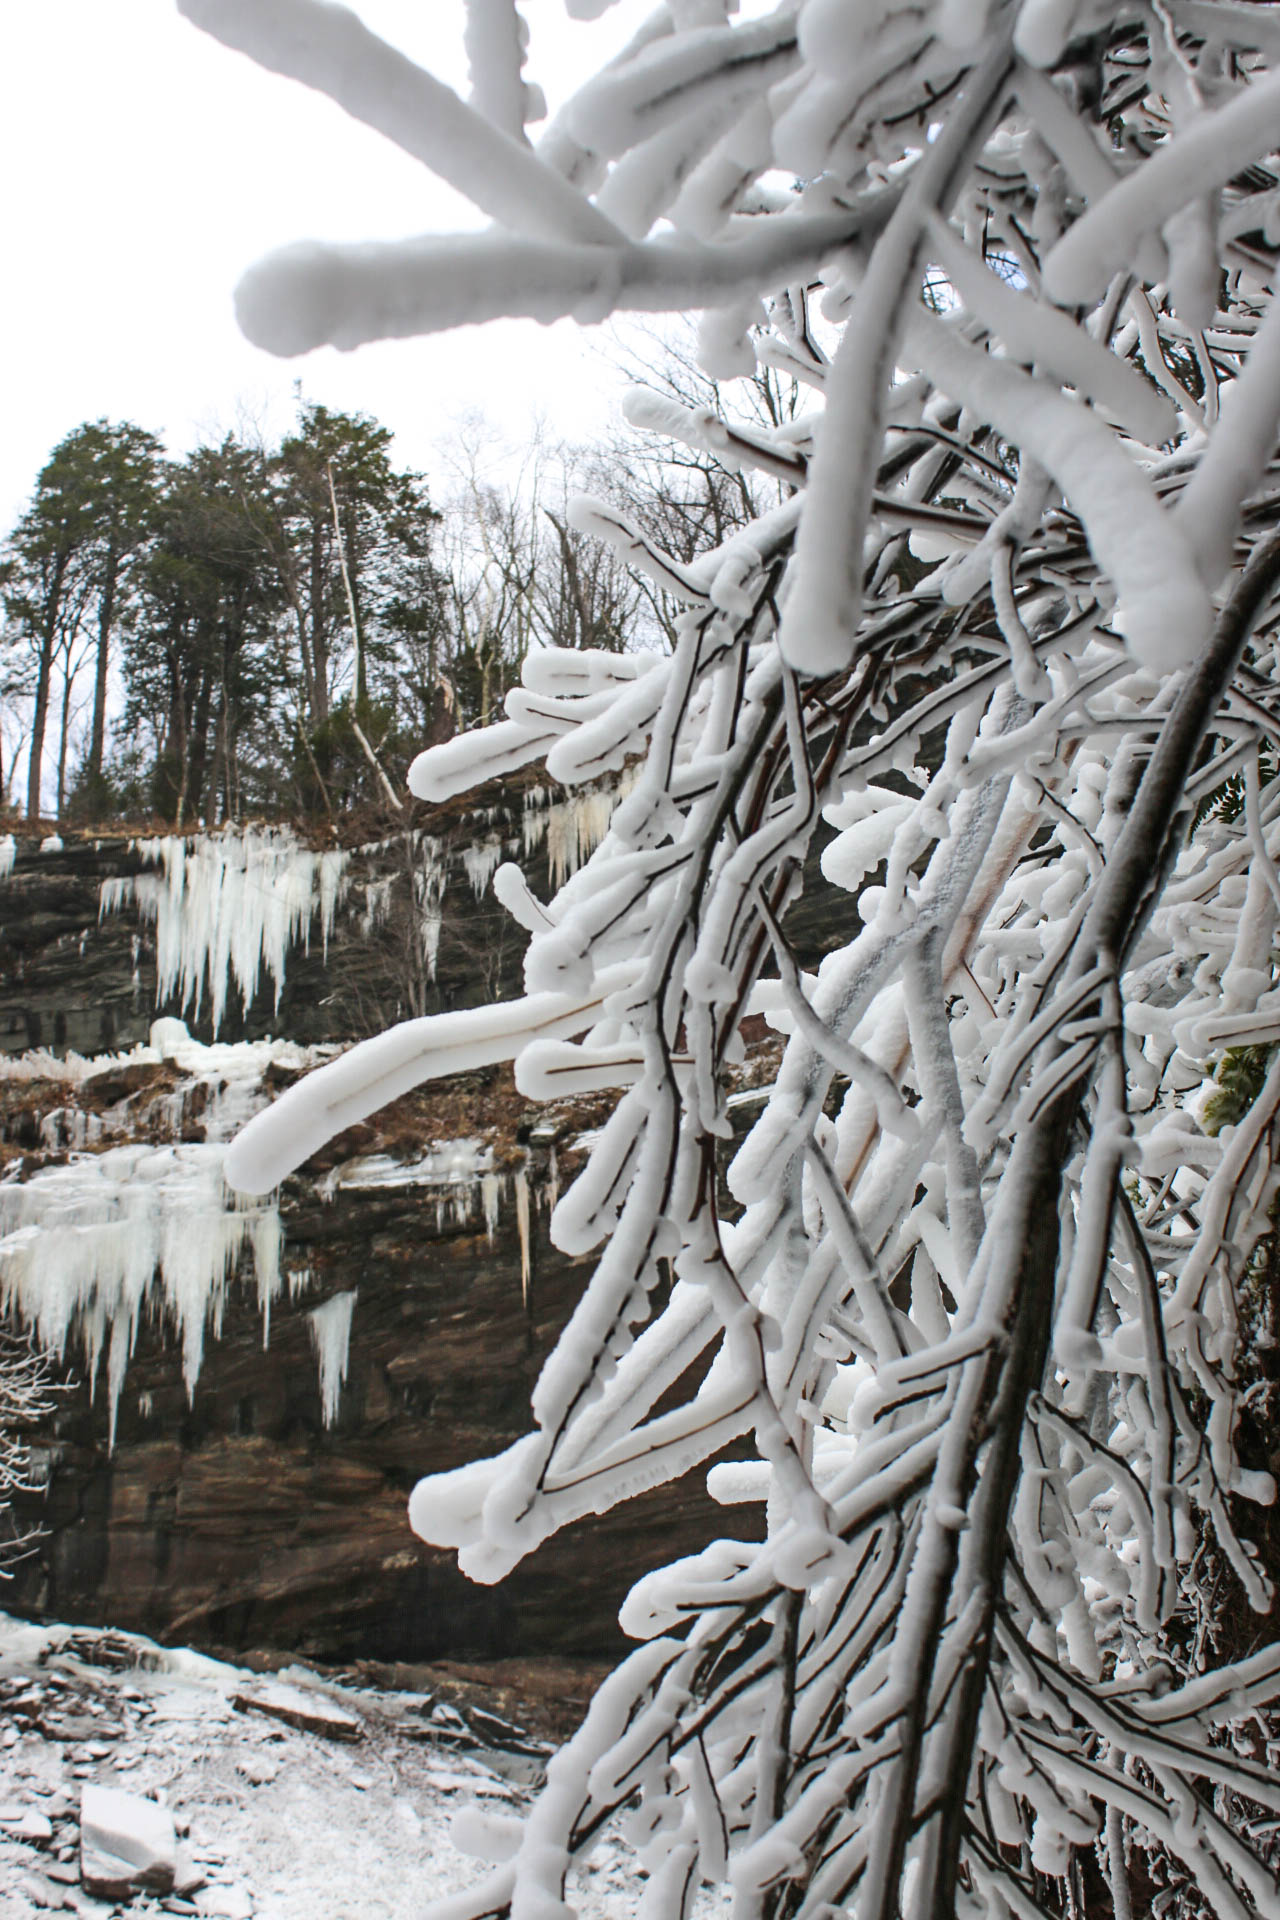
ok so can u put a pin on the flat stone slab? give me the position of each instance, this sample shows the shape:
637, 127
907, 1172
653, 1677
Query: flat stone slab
225, 1903
127, 1843
25, 1823
313, 1712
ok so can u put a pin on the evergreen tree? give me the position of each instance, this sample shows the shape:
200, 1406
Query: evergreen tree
202, 665
340, 501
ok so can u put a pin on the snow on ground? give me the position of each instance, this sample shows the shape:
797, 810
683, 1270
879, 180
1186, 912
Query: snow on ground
275, 1819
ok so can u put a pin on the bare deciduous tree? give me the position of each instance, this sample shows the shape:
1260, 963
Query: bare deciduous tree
25, 1399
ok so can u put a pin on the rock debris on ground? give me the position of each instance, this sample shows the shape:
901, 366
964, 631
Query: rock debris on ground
139, 1780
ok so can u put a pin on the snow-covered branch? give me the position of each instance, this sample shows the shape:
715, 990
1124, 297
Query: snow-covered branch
1000, 672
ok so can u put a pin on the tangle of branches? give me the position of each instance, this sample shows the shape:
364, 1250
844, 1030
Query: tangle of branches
984, 1301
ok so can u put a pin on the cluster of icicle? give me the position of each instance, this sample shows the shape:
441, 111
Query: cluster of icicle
89, 1247
572, 828
1011, 631
224, 906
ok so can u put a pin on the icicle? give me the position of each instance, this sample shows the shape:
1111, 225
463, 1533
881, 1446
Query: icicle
377, 905
522, 1227
479, 860
490, 1193
267, 1239
331, 1339
428, 891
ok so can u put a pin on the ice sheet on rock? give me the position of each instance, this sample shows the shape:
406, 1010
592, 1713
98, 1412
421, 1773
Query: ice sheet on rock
310, 1709
331, 1340
8, 854
227, 905
460, 1172
446, 1163
234, 1073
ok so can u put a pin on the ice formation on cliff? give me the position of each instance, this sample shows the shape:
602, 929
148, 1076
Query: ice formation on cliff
85, 1248
572, 827
228, 905
331, 1338
225, 905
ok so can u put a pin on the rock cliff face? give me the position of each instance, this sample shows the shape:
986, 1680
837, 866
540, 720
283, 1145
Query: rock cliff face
235, 1516
239, 1520
79, 961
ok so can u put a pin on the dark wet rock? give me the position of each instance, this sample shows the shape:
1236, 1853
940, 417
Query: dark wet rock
234, 1519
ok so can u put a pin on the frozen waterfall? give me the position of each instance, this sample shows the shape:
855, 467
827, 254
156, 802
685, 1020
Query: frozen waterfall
85, 1247
225, 905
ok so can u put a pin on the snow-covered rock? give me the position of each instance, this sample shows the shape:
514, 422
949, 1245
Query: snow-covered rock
25, 1823
313, 1712
225, 1903
126, 1843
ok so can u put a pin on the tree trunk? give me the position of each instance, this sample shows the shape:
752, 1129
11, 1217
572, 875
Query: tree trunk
64, 729
40, 719
319, 637
106, 617
199, 742
38, 724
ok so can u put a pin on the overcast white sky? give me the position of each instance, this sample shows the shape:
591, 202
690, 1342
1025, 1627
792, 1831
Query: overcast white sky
145, 167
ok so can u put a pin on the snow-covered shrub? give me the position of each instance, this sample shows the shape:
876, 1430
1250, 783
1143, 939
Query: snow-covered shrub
1011, 627
25, 1398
